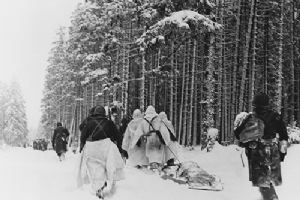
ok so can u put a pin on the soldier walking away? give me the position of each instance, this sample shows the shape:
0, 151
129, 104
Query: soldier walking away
136, 152
115, 117
101, 162
124, 123
60, 140
264, 136
171, 151
156, 136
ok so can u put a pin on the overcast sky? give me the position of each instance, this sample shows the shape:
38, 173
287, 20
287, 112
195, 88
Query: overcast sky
27, 30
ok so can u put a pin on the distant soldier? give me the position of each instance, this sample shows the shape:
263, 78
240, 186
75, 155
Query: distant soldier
34, 145
59, 140
44, 144
115, 117
124, 123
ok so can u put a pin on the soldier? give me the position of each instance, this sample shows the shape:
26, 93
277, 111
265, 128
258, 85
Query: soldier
100, 144
171, 151
156, 136
59, 140
264, 136
136, 152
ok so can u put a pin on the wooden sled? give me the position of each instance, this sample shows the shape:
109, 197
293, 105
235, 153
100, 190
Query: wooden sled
204, 187
194, 186
192, 175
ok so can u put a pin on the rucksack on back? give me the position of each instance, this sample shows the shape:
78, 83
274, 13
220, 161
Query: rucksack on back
153, 130
253, 129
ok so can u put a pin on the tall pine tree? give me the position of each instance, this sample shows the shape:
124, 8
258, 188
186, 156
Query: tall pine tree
15, 130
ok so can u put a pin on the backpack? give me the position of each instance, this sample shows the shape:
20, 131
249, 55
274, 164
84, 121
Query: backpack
158, 133
98, 128
61, 133
253, 129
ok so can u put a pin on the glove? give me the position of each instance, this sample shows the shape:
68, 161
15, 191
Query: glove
283, 149
139, 143
282, 155
81, 148
124, 154
283, 146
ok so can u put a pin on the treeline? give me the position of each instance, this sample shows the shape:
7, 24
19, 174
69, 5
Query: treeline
199, 61
13, 121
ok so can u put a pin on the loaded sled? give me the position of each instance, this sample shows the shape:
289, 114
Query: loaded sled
190, 174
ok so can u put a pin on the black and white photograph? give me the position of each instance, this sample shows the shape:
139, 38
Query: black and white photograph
149, 99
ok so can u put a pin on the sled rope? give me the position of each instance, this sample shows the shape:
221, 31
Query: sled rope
160, 136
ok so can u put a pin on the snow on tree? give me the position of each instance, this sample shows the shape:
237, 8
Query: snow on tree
201, 77
181, 21
294, 134
4, 103
58, 84
15, 131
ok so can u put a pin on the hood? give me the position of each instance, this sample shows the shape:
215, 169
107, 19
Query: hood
150, 113
137, 114
99, 111
163, 116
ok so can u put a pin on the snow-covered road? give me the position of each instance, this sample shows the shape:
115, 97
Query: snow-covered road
35, 175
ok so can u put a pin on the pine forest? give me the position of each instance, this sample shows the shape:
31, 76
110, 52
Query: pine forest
200, 61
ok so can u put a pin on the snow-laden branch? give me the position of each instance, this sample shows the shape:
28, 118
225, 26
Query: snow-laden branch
93, 74
93, 58
181, 20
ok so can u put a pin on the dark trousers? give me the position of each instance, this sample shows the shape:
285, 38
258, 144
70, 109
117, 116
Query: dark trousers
268, 193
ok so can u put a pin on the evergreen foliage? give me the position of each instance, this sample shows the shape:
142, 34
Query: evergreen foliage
199, 61
14, 130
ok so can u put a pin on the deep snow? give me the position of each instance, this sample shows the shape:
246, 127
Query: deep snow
35, 175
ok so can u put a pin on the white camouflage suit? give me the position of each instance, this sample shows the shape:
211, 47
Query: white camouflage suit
171, 150
136, 154
155, 150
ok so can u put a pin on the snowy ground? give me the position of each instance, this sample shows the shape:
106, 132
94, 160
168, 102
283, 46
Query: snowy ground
35, 175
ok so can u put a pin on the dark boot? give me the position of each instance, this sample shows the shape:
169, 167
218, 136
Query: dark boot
99, 193
268, 193
59, 156
171, 162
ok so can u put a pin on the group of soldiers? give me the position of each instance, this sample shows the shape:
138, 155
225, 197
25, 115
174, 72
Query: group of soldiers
40, 144
149, 141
